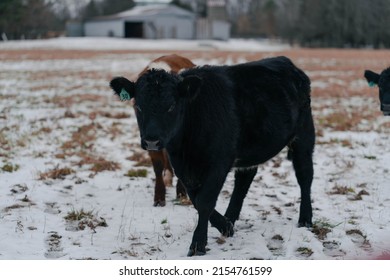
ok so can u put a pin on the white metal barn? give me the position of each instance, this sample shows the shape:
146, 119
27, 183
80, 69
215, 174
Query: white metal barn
149, 22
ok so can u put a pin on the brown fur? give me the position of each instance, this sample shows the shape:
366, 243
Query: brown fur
176, 63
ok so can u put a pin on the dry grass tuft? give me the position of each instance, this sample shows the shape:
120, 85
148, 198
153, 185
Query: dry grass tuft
82, 138
26, 202
277, 210
350, 192
339, 121
343, 142
322, 227
85, 219
14, 206
343, 190
69, 101
320, 232
98, 164
359, 196
104, 165
304, 251
141, 158
56, 173
75, 215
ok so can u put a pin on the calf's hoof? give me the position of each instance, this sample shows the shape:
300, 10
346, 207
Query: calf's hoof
229, 230
305, 224
159, 203
196, 250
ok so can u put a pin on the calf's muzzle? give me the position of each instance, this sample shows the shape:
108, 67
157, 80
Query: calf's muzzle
385, 108
150, 145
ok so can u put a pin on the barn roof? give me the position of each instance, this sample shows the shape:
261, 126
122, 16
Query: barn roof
147, 11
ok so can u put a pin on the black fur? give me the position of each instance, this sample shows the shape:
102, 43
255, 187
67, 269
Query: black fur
383, 82
119, 83
225, 117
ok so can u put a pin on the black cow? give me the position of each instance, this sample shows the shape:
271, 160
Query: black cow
383, 82
161, 165
213, 118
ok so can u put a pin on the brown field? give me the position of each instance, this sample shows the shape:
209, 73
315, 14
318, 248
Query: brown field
335, 74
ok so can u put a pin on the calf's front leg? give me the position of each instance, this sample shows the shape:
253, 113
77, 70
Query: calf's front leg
204, 200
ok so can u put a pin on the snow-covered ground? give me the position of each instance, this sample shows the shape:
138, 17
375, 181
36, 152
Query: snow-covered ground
66, 143
100, 43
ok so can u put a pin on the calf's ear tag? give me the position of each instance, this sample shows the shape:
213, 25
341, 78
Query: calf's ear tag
124, 95
371, 84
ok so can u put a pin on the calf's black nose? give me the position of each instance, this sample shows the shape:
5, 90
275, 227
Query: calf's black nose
385, 108
151, 145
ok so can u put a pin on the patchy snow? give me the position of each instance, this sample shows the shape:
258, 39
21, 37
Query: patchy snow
100, 43
59, 113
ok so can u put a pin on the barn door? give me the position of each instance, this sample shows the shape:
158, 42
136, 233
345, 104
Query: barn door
134, 30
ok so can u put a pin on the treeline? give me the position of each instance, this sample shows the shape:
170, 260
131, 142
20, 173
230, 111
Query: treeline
308, 23
104, 7
33, 19
29, 19
314, 23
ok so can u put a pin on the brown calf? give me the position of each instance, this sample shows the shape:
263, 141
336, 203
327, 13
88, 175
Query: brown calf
161, 165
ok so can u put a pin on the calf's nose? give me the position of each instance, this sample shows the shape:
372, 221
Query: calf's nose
385, 108
151, 145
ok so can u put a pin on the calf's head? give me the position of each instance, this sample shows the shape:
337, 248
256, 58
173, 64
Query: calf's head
383, 82
159, 99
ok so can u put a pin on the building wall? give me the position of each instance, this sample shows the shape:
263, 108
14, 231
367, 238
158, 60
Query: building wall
171, 25
220, 30
112, 28
174, 28
203, 29
212, 29
158, 27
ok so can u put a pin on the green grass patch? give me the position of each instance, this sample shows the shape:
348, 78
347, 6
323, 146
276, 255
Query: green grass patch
9, 167
135, 173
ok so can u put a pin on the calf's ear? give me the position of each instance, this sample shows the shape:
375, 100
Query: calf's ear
371, 77
122, 87
189, 87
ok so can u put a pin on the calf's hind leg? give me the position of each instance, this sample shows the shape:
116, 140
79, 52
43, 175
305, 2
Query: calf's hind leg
157, 158
301, 152
225, 224
242, 181
221, 223
168, 176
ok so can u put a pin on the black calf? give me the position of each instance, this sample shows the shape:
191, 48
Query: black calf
213, 118
383, 82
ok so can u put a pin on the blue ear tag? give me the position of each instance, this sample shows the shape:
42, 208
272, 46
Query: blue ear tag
124, 95
371, 84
